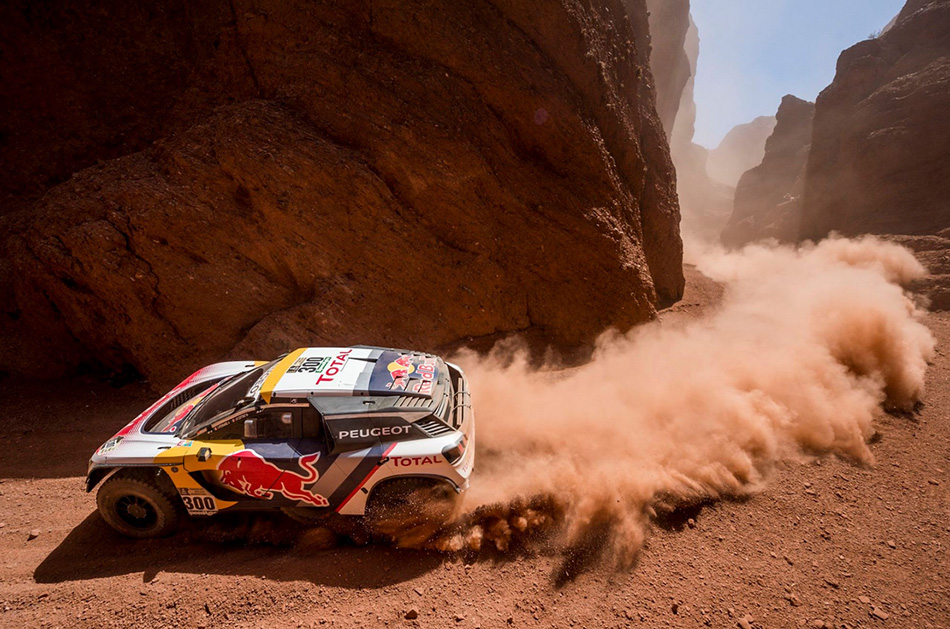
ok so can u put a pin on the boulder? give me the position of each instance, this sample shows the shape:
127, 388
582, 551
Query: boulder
416, 174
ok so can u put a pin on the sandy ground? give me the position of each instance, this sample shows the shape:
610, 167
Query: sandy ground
825, 544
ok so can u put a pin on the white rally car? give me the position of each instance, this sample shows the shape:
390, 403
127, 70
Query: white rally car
319, 431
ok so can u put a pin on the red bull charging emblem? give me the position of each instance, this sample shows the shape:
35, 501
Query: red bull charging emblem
250, 474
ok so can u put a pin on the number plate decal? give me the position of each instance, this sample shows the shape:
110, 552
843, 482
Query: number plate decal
198, 501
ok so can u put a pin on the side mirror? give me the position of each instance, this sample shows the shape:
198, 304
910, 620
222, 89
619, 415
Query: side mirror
250, 429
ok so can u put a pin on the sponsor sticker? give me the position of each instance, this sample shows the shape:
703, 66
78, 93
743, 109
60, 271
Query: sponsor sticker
256, 387
410, 461
375, 431
309, 364
427, 372
198, 501
109, 445
412, 373
248, 473
336, 364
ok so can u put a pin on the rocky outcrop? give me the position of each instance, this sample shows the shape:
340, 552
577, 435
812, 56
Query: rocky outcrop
768, 197
399, 173
684, 126
705, 204
880, 159
669, 60
742, 149
81, 83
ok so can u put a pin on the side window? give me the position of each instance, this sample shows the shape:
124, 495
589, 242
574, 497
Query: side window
311, 425
275, 424
233, 430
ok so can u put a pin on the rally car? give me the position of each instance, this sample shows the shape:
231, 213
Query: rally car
316, 432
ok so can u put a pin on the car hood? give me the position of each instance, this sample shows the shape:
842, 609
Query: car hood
132, 449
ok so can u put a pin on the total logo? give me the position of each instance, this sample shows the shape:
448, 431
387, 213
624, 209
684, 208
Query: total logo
407, 461
335, 366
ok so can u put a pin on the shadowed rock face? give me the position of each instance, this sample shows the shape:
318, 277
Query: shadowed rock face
880, 158
81, 84
669, 23
409, 174
768, 197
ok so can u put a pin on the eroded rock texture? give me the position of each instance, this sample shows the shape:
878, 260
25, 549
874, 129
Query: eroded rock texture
880, 159
399, 173
669, 23
769, 197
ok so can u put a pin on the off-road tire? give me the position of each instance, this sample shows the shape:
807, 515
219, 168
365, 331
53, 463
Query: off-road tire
410, 511
137, 503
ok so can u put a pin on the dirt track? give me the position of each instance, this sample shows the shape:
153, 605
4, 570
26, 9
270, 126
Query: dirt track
824, 542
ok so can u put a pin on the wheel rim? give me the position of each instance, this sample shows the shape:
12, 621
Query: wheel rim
136, 511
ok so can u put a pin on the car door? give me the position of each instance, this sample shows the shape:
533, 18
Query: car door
256, 469
315, 478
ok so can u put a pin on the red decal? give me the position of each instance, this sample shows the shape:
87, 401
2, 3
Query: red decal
334, 367
132, 425
368, 476
249, 473
401, 367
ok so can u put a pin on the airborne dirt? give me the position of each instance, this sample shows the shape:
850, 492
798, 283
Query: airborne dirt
824, 541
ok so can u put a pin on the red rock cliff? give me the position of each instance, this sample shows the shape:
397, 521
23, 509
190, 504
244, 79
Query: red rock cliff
769, 196
265, 174
880, 157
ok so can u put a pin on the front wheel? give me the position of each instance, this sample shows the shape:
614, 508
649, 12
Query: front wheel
410, 511
136, 506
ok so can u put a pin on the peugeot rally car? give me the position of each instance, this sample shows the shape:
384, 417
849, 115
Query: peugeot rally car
318, 431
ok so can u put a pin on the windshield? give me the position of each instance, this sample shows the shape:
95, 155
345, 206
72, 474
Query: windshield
230, 396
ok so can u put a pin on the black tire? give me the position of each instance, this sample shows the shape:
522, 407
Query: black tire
136, 504
410, 511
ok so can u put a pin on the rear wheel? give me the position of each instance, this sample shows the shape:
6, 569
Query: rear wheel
137, 504
410, 511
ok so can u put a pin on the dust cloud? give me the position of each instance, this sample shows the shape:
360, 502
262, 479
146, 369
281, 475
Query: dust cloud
805, 348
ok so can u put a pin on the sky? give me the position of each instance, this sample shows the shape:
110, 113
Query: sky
753, 52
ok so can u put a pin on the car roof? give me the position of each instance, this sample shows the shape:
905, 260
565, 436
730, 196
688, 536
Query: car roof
314, 372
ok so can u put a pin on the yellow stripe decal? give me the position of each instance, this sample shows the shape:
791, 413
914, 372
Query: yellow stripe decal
278, 372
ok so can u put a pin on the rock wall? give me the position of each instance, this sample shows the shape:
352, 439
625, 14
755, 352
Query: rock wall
669, 61
81, 83
880, 159
399, 173
742, 149
705, 204
768, 197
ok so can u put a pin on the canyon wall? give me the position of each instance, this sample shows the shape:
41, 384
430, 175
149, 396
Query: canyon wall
261, 175
769, 197
880, 157
672, 67
705, 204
742, 149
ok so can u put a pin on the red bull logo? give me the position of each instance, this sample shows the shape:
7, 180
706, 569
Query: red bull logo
401, 367
250, 474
